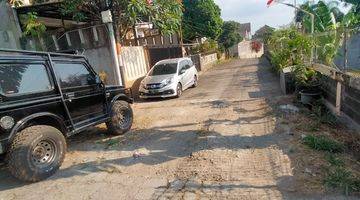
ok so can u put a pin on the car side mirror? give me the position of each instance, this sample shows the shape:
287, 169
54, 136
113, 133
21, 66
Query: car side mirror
182, 71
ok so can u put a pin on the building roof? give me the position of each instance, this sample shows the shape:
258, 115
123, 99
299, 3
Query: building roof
245, 27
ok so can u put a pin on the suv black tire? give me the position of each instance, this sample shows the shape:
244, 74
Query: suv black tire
121, 118
36, 153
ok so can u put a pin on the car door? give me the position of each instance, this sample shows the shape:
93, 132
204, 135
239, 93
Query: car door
188, 74
83, 94
182, 76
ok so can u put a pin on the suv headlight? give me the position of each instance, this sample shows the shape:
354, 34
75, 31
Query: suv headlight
167, 82
7, 122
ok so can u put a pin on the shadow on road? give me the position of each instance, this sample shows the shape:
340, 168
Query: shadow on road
166, 145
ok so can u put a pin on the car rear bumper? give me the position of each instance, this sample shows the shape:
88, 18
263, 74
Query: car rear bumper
163, 94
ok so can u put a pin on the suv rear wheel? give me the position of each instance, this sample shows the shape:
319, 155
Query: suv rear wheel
121, 118
36, 153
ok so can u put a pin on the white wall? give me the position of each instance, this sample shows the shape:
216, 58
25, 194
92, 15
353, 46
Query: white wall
134, 62
101, 60
208, 59
245, 51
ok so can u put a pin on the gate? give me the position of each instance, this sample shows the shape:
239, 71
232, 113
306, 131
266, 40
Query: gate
160, 53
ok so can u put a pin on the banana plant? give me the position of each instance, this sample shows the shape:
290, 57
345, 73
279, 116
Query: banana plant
329, 25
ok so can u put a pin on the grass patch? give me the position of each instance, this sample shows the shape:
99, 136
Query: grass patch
340, 178
335, 161
322, 143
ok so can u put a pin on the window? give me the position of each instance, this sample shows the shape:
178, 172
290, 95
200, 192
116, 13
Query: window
190, 63
74, 75
163, 69
186, 64
23, 78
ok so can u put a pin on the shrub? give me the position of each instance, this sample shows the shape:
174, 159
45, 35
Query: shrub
288, 47
321, 143
208, 46
256, 46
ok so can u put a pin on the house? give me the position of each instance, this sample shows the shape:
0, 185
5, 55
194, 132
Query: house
245, 31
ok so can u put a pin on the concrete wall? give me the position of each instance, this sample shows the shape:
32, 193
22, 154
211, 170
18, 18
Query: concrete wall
10, 31
134, 62
353, 53
92, 41
351, 97
204, 62
349, 93
245, 51
100, 59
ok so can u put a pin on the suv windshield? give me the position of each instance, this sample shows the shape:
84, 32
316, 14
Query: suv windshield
163, 69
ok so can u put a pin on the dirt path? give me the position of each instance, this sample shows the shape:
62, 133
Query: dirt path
218, 141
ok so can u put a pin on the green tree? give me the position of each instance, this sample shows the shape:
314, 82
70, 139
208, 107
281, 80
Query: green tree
263, 34
166, 15
202, 18
230, 35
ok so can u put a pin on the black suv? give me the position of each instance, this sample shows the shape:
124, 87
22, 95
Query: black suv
45, 97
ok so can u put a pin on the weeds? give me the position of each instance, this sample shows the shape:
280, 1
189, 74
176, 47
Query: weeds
323, 114
321, 143
340, 178
334, 161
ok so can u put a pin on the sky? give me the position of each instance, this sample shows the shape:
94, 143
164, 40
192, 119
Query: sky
256, 12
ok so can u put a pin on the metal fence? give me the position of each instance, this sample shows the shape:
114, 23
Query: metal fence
339, 48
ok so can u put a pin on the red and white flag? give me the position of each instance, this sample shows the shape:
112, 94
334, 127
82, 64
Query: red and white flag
270, 2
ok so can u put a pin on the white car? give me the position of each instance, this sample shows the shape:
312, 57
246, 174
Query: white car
169, 78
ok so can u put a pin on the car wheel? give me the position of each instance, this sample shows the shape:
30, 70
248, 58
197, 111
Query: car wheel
195, 84
121, 118
178, 90
36, 153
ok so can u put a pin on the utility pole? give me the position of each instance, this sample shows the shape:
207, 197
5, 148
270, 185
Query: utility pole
107, 19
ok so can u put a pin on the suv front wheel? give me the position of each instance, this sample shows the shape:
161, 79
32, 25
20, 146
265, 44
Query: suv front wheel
36, 153
121, 118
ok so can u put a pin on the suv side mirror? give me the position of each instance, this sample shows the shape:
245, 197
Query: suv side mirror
98, 79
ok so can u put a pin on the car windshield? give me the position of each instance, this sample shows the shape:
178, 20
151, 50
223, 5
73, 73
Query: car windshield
163, 69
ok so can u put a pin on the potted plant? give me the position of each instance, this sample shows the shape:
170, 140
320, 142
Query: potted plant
307, 84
